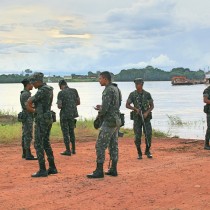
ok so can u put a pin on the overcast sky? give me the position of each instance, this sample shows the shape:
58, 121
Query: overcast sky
77, 36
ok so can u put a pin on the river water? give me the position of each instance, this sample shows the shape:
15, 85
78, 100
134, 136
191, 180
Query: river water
178, 109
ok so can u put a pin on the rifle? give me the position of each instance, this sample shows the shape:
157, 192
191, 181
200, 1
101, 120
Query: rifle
144, 127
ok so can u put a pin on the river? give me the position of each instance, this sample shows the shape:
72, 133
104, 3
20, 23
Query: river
178, 109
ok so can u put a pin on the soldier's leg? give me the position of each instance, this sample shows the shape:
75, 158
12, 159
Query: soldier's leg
113, 151
65, 131
40, 151
148, 140
72, 135
28, 131
207, 137
23, 144
49, 152
102, 143
137, 127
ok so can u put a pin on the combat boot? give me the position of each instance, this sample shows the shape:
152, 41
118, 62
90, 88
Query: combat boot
42, 171
24, 153
29, 156
98, 173
206, 144
139, 152
73, 149
148, 153
68, 151
113, 170
52, 168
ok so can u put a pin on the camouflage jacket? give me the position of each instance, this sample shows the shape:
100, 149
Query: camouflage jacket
140, 100
109, 111
67, 99
42, 100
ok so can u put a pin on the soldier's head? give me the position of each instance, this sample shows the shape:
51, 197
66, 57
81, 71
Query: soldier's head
62, 84
105, 78
37, 79
27, 84
139, 82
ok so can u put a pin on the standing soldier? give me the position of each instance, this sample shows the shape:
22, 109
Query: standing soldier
42, 102
206, 99
27, 121
109, 114
67, 102
143, 105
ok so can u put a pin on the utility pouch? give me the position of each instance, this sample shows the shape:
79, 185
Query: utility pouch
132, 115
53, 116
206, 109
48, 117
122, 118
75, 123
97, 122
21, 117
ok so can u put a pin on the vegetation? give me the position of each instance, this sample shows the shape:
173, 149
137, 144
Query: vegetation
148, 73
154, 74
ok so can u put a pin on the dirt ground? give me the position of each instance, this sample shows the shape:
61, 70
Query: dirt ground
175, 179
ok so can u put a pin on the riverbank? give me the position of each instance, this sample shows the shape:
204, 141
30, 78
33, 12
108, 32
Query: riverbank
175, 179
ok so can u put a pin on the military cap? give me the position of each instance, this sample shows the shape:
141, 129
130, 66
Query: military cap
62, 82
37, 76
25, 81
139, 81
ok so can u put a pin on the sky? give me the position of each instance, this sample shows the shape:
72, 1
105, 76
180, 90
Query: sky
61, 37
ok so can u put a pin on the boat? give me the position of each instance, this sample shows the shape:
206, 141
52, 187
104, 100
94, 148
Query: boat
181, 80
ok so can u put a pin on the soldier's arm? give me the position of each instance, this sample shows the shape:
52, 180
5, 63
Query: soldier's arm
29, 105
129, 102
206, 100
24, 97
59, 100
106, 102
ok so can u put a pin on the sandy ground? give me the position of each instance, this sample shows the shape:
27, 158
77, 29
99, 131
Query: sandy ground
175, 179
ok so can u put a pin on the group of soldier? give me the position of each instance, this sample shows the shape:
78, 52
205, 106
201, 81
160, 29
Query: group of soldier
37, 108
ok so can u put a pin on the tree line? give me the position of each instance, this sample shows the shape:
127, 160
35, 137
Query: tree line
150, 73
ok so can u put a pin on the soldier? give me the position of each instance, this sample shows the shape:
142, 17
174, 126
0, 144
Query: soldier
108, 136
142, 102
67, 102
206, 99
42, 102
27, 121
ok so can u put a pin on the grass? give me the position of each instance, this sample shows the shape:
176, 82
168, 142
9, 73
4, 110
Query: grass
12, 132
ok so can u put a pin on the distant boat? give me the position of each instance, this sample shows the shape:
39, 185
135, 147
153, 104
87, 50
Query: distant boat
181, 80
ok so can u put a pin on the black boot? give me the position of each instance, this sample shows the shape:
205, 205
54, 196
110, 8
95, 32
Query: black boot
29, 156
206, 144
73, 149
24, 153
139, 152
147, 152
52, 168
42, 171
98, 173
67, 152
113, 170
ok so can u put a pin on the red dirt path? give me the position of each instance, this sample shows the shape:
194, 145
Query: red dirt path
175, 179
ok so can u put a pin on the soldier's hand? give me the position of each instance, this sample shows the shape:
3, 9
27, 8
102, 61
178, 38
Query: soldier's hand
97, 107
145, 115
137, 110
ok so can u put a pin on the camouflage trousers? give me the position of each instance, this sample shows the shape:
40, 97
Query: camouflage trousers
42, 141
108, 137
67, 127
137, 127
27, 131
207, 137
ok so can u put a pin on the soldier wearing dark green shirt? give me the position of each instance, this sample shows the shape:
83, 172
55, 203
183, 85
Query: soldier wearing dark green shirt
142, 102
109, 114
27, 121
42, 102
67, 101
206, 100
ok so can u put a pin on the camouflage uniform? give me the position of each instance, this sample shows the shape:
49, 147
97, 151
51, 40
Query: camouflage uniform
43, 123
27, 124
67, 100
141, 101
108, 135
206, 93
